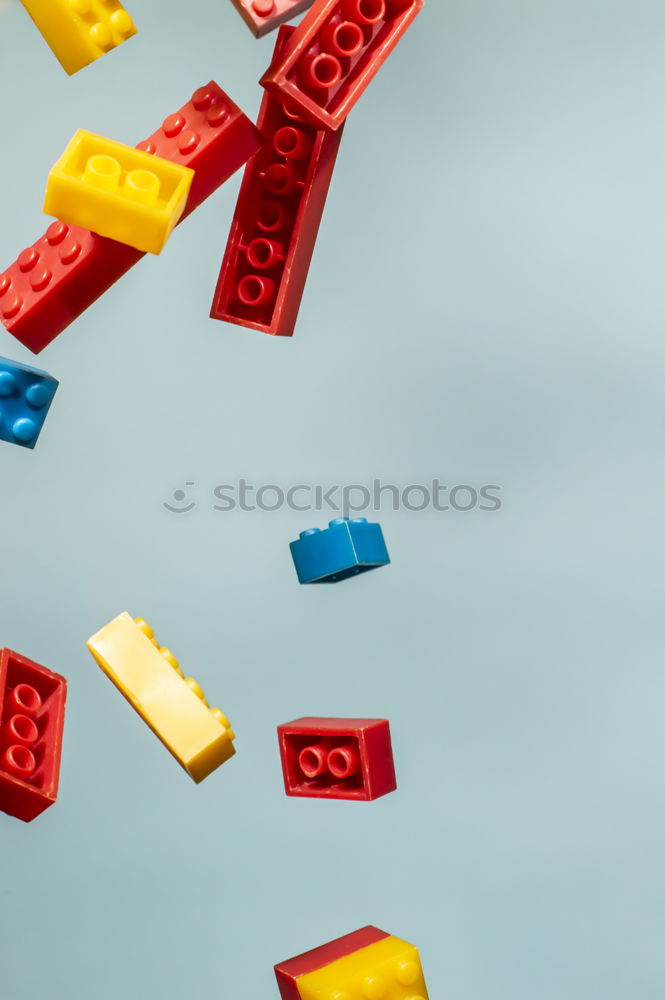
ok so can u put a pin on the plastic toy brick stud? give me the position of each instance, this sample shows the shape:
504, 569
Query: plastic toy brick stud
276, 221
174, 707
32, 715
25, 397
67, 269
335, 52
262, 16
122, 193
368, 964
337, 758
80, 31
345, 548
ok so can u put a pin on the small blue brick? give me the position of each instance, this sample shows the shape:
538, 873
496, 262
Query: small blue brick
345, 548
25, 396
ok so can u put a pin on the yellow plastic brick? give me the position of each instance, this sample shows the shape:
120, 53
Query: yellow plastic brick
389, 969
80, 31
199, 737
117, 191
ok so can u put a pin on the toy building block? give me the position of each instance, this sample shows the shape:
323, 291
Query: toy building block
80, 31
345, 548
337, 758
262, 16
25, 397
32, 715
173, 706
368, 964
276, 220
122, 193
335, 52
54, 281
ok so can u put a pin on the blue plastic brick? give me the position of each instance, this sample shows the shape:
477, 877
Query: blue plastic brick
25, 396
345, 548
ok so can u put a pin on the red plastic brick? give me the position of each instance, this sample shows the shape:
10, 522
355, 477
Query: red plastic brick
276, 220
335, 52
288, 972
32, 715
337, 758
65, 271
262, 16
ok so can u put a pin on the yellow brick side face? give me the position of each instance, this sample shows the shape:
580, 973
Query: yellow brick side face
387, 970
80, 31
117, 191
149, 677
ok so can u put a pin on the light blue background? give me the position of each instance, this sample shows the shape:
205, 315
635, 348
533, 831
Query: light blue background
486, 306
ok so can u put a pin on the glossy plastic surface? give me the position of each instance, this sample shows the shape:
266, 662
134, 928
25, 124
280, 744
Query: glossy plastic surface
276, 220
66, 270
25, 397
337, 758
335, 52
115, 191
199, 737
262, 16
32, 715
389, 969
80, 31
288, 973
343, 549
